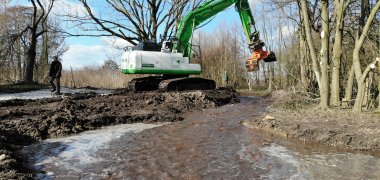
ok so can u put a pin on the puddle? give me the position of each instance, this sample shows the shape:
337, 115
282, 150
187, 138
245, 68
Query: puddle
284, 162
45, 93
75, 152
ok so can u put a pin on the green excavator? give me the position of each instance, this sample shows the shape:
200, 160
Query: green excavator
170, 62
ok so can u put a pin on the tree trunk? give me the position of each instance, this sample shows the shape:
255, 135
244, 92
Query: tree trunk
340, 9
310, 42
360, 77
364, 12
270, 82
362, 87
324, 88
279, 59
31, 59
249, 82
359, 97
378, 86
257, 79
303, 57
350, 85
378, 76
19, 59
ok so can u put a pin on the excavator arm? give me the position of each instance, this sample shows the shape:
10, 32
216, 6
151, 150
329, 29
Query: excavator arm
209, 9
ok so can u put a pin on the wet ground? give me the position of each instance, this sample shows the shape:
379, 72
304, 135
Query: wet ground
209, 144
25, 121
46, 93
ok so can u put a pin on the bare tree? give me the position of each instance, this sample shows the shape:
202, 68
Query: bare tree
135, 20
320, 72
325, 56
339, 14
34, 30
359, 74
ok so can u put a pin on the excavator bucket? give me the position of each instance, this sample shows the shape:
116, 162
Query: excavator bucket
252, 63
271, 57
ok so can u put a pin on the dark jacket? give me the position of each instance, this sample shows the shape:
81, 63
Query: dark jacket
55, 69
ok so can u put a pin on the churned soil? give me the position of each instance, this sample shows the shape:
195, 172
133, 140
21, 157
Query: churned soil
23, 122
291, 116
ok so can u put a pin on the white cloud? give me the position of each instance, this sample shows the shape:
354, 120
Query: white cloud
116, 42
79, 56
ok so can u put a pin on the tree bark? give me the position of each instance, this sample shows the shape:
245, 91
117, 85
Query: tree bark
378, 67
31, 58
325, 35
19, 59
270, 81
303, 56
309, 40
378, 87
378, 76
350, 85
360, 77
362, 88
340, 9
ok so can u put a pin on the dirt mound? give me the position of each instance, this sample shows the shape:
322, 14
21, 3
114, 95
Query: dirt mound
23, 122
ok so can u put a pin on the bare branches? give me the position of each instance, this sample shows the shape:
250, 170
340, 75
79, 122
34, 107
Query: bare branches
134, 20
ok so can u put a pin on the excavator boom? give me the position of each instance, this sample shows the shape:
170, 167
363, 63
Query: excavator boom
207, 10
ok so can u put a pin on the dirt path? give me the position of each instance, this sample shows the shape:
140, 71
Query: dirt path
23, 122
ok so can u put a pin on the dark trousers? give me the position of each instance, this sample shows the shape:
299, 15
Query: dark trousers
58, 87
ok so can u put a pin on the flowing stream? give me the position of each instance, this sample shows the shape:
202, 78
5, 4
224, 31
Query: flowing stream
212, 144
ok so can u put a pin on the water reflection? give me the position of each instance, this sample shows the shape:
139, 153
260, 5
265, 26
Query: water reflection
72, 154
321, 166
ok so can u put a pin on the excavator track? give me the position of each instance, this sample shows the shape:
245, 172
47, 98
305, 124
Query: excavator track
145, 84
169, 83
186, 83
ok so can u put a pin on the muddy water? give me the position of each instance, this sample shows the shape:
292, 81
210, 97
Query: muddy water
213, 144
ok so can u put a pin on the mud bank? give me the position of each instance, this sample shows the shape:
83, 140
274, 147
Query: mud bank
23, 122
334, 127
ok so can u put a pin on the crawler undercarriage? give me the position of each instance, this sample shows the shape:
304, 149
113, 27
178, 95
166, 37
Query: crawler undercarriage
170, 83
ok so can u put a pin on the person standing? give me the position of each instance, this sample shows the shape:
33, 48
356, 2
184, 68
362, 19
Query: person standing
55, 74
